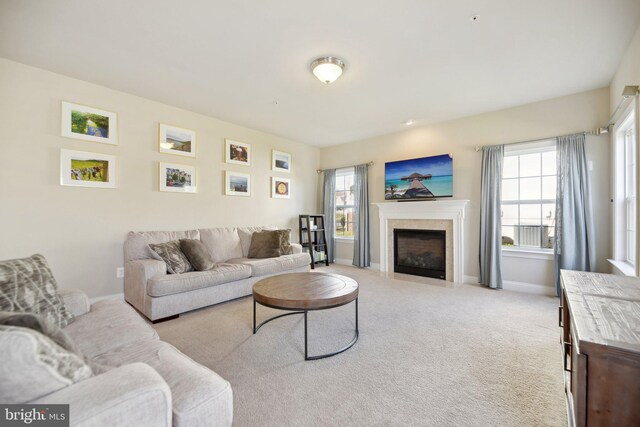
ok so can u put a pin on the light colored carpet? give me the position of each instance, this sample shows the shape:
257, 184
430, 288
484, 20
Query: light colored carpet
429, 354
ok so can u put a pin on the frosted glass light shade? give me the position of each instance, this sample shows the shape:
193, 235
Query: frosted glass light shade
327, 69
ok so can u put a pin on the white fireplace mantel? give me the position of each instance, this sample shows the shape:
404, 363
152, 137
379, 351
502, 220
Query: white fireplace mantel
431, 210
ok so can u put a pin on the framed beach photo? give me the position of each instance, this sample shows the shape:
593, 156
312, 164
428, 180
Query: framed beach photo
280, 161
237, 152
280, 188
175, 140
237, 184
89, 124
177, 178
84, 169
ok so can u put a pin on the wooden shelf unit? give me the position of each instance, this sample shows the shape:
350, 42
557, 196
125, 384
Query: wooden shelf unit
314, 240
600, 319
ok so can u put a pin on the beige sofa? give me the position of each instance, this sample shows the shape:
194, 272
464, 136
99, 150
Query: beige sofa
148, 382
159, 295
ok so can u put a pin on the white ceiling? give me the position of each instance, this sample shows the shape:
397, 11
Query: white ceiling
407, 59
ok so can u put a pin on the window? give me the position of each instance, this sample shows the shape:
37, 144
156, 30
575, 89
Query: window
529, 195
345, 179
625, 190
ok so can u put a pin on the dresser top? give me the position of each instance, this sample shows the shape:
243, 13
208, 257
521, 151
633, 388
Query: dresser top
605, 308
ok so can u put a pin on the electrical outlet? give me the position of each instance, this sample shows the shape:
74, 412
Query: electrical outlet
120, 272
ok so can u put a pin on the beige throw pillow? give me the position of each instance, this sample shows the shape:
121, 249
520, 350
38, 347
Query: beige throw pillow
32, 365
265, 244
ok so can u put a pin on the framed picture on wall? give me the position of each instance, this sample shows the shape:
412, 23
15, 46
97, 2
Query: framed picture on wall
280, 188
280, 161
237, 184
175, 140
89, 124
237, 152
84, 169
177, 178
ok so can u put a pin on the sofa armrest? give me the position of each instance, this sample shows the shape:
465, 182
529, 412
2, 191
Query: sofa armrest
296, 248
76, 301
136, 276
133, 394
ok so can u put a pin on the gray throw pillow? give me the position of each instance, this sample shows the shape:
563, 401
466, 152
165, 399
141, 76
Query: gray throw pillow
197, 254
285, 244
265, 244
27, 285
177, 262
33, 366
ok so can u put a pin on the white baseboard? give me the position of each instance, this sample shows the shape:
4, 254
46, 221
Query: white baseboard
113, 296
344, 261
512, 285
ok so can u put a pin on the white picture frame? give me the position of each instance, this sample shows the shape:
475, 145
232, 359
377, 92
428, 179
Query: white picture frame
89, 124
176, 140
86, 169
177, 178
237, 152
237, 184
280, 188
280, 161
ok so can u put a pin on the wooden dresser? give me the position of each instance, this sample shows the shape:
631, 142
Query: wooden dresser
600, 320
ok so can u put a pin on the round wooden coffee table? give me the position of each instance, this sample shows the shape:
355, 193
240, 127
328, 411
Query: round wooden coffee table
303, 292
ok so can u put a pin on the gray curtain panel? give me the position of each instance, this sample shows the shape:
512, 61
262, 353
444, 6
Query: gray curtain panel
361, 242
491, 217
329, 210
574, 247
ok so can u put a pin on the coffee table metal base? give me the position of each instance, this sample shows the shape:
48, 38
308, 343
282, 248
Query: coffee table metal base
306, 346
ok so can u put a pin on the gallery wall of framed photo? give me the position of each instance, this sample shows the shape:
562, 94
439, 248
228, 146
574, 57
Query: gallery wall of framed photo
87, 169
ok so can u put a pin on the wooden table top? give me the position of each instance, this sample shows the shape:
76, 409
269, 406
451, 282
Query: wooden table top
305, 291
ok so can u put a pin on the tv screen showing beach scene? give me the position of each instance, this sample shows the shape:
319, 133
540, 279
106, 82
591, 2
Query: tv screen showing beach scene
423, 178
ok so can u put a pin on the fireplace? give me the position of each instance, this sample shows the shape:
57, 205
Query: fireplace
420, 252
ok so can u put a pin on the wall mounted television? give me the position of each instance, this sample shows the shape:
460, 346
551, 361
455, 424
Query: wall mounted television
419, 179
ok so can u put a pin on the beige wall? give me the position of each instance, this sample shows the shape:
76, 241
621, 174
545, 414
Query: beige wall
628, 72
575, 113
81, 230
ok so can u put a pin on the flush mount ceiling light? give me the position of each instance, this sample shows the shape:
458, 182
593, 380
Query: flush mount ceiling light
327, 69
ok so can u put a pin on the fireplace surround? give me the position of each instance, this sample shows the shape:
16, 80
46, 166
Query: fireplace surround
447, 215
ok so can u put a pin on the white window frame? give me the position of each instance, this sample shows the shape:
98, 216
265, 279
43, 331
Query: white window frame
518, 150
341, 173
625, 131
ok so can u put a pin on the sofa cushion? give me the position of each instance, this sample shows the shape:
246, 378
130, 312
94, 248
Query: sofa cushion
109, 324
137, 244
198, 394
222, 243
28, 285
35, 365
160, 286
265, 244
197, 254
281, 264
171, 254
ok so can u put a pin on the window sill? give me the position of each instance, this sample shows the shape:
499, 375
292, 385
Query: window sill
624, 267
527, 253
343, 239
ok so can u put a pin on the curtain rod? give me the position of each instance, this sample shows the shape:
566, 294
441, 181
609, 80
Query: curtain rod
322, 170
592, 132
